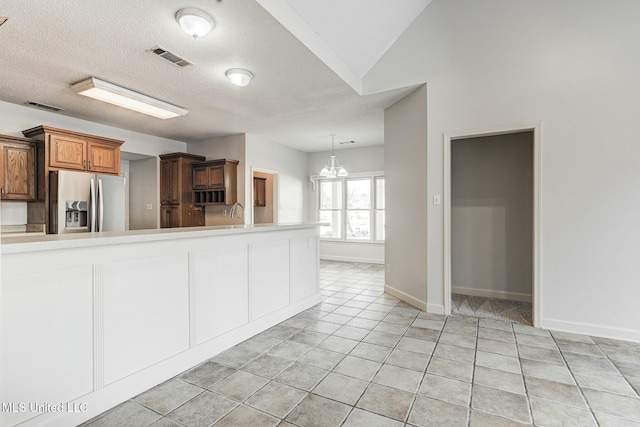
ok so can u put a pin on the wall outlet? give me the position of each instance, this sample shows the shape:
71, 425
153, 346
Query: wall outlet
388, 268
149, 206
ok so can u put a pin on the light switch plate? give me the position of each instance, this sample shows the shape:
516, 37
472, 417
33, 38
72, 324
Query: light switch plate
436, 200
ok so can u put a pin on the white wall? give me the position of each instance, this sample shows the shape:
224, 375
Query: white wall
143, 179
571, 66
405, 150
492, 216
226, 147
16, 118
293, 183
13, 213
361, 159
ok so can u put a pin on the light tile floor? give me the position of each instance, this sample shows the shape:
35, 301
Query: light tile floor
492, 308
364, 358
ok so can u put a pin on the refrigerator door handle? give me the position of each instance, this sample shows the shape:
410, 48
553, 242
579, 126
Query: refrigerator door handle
92, 221
101, 206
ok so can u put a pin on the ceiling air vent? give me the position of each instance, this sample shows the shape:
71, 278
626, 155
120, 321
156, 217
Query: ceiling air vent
346, 142
170, 56
43, 106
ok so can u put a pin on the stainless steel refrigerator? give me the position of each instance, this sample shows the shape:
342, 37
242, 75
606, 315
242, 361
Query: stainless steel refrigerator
86, 202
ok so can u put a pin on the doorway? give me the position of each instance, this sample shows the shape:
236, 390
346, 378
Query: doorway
492, 224
264, 197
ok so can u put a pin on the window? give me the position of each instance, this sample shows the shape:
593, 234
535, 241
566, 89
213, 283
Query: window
353, 207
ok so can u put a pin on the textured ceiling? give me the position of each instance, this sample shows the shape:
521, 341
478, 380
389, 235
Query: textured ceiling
295, 98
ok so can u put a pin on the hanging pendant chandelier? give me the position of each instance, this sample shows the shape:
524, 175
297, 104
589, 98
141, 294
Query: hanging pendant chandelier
333, 168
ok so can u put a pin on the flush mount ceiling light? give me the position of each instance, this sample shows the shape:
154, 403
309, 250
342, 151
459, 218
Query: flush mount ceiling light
333, 169
195, 22
239, 77
116, 95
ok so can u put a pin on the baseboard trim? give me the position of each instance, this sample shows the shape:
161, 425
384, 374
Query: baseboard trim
591, 329
488, 293
435, 308
422, 305
352, 259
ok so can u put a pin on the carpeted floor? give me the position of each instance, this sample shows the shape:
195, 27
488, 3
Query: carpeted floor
491, 308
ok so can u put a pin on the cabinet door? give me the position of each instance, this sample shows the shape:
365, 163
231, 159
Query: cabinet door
169, 190
169, 216
18, 172
103, 158
200, 178
192, 216
216, 176
67, 152
259, 191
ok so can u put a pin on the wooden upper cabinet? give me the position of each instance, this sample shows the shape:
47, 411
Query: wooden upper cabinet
170, 181
68, 150
215, 182
17, 169
103, 158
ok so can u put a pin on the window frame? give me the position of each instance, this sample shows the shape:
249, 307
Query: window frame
372, 177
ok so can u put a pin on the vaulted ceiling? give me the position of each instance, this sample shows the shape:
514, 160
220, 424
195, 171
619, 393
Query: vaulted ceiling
308, 59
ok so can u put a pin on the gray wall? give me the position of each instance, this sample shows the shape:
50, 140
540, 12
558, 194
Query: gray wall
143, 191
405, 159
492, 215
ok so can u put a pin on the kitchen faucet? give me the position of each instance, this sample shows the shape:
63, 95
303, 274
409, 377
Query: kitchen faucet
232, 212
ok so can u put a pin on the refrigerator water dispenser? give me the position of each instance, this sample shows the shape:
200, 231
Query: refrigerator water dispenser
76, 214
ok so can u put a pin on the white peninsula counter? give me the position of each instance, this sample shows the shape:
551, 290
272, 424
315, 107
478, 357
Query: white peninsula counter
90, 320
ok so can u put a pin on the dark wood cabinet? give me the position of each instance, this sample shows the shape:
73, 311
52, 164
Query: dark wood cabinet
176, 191
17, 168
215, 182
259, 191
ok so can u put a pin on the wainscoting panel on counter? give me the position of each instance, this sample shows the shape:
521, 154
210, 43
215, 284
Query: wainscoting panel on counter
41, 311
146, 311
91, 321
220, 291
269, 266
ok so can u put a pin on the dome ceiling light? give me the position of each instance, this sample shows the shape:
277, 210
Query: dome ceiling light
239, 76
195, 22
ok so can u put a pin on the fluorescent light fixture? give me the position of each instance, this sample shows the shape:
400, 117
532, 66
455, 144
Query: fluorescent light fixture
239, 77
116, 95
194, 22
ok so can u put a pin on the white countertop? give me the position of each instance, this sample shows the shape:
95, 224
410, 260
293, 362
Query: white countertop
22, 243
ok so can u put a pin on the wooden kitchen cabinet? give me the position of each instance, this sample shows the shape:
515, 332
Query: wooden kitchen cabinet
260, 191
215, 182
68, 150
17, 168
169, 180
60, 149
170, 216
176, 191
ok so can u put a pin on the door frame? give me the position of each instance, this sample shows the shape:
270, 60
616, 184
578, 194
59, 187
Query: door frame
537, 188
275, 192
